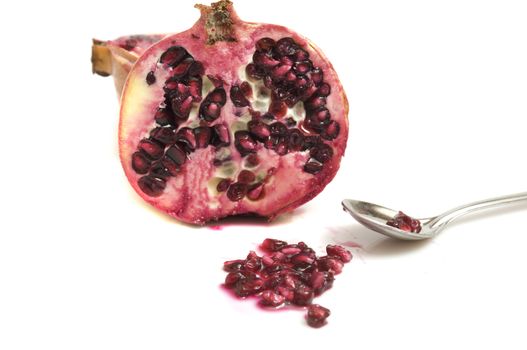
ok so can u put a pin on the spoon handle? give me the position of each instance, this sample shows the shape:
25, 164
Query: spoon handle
445, 218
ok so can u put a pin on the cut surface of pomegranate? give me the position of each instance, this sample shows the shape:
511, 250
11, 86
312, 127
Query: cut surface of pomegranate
287, 274
230, 118
405, 223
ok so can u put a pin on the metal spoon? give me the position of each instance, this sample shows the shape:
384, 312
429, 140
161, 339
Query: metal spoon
375, 217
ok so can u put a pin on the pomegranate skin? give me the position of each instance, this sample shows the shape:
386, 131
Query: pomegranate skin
191, 196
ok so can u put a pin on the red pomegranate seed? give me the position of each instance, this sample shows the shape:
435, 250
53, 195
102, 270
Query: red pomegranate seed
270, 298
173, 56
317, 315
256, 191
246, 176
340, 252
140, 163
151, 148
405, 223
237, 191
151, 186
223, 185
272, 245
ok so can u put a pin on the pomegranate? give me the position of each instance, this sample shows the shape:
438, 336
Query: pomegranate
287, 274
229, 118
405, 223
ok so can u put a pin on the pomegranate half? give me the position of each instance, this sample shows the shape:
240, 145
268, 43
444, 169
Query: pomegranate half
230, 118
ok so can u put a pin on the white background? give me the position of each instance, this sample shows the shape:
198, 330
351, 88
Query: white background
438, 93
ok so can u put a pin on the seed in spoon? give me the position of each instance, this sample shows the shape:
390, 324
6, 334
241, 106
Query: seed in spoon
405, 223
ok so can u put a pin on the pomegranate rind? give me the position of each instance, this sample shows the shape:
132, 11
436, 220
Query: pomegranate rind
188, 197
116, 57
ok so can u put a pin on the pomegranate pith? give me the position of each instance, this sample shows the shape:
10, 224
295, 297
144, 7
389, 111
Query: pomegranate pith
230, 118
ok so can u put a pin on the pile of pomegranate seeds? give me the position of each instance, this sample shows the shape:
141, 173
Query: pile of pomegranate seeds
287, 274
405, 223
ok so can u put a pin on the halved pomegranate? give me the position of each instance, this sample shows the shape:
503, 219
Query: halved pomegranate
231, 118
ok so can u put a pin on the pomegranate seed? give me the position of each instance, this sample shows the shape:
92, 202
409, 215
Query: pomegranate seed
312, 167
301, 55
272, 245
278, 129
237, 191
278, 108
220, 136
176, 155
246, 176
150, 78
303, 295
194, 87
259, 129
140, 163
166, 135
296, 140
317, 76
310, 141
159, 170
286, 47
246, 89
255, 191
218, 96
170, 165
253, 262
244, 142
322, 152
248, 286
151, 148
233, 265
272, 299
223, 185
182, 69
279, 72
314, 103
317, 315
405, 223
290, 250
254, 72
173, 56
209, 111
302, 260
238, 98
164, 117
323, 90
264, 60
252, 160
151, 186
202, 135
302, 67
339, 252
186, 139
282, 148
265, 44
321, 281
196, 69
232, 278
331, 131
181, 107
330, 264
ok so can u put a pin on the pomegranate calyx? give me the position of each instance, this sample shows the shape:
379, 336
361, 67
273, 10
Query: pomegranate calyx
218, 21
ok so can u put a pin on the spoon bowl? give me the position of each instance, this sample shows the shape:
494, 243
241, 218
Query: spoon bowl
375, 217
